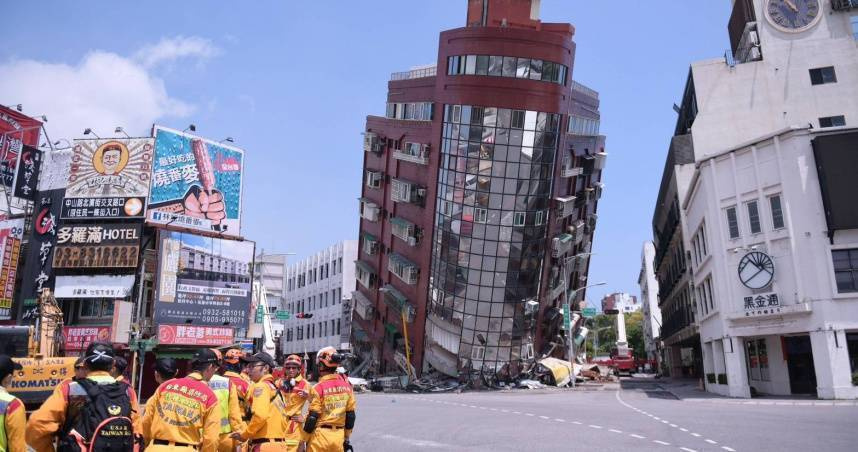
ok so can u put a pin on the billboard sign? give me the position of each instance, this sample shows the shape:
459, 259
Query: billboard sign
204, 280
196, 183
95, 286
79, 337
38, 274
97, 245
27, 173
200, 336
11, 233
109, 179
16, 130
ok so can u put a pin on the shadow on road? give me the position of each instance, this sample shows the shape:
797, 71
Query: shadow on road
647, 386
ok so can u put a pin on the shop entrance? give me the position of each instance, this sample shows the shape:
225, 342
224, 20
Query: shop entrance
802, 376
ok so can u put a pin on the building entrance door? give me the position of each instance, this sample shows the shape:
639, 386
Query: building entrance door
802, 376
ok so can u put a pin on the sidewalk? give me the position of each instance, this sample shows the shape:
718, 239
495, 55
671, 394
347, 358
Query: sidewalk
687, 390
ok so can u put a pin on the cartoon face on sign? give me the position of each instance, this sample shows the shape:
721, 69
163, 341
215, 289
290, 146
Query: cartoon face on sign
110, 158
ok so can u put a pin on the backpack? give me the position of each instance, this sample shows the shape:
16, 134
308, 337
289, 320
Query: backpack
101, 423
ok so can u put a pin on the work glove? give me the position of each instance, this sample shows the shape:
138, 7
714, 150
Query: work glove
347, 447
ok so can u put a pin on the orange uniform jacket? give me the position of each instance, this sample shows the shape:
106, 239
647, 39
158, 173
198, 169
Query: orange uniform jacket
242, 386
334, 397
184, 410
46, 422
268, 418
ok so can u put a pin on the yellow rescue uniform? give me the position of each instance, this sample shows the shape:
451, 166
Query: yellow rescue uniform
182, 415
46, 422
14, 422
333, 404
295, 407
268, 423
230, 411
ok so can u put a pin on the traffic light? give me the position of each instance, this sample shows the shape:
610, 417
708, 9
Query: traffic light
303, 315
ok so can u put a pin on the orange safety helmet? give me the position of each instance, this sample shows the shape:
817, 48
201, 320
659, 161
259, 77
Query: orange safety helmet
293, 359
232, 356
325, 357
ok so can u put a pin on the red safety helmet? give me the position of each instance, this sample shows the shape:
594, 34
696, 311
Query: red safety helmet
294, 360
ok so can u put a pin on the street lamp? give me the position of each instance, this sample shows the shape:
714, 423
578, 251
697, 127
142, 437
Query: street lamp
89, 131
119, 129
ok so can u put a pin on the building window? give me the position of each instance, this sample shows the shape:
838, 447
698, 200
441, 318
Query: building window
538, 219
823, 75
852, 347
758, 360
754, 217
732, 222
846, 269
777, 212
480, 215
518, 219
832, 121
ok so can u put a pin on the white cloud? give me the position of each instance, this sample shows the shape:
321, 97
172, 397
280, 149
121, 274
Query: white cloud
170, 49
102, 91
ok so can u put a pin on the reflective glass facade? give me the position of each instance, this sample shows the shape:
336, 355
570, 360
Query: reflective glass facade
494, 188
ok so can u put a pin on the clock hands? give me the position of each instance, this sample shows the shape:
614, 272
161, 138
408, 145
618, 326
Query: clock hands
791, 5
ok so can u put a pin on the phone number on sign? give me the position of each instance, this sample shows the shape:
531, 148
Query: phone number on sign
223, 315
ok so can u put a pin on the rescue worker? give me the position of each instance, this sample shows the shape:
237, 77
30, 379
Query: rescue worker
231, 415
184, 415
13, 420
46, 423
267, 427
232, 368
79, 369
297, 392
118, 372
165, 369
331, 418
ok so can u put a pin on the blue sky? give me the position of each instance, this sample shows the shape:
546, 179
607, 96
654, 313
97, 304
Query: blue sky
292, 82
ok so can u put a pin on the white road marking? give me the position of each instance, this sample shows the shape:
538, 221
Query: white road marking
728, 449
577, 423
637, 436
559, 420
615, 430
661, 442
544, 417
696, 434
664, 422
529, 414
684, 429
674, 425
594, 426
710, 441
687, 449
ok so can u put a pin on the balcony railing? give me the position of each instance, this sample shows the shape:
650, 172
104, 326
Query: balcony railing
571, 172
413, 152
404, 230
429, 71
403, 268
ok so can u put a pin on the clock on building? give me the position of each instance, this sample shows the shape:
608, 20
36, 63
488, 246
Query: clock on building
756, 270
793, 16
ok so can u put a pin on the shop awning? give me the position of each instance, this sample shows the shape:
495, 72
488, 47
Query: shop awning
98, 286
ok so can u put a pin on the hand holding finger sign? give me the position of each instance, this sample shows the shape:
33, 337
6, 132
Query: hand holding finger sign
205, 205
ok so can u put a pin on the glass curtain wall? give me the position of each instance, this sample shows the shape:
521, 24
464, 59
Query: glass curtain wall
490, 228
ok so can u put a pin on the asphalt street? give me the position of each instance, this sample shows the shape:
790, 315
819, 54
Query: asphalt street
633, 416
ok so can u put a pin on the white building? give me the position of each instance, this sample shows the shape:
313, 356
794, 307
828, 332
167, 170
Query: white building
649, 301
319, 285
270, 270
771, 221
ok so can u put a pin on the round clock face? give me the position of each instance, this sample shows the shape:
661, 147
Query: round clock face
793, 16
756, 270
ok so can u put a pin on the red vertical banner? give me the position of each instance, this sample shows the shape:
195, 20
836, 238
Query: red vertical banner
16, 130
11, 232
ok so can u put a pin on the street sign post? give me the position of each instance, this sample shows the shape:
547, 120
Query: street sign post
260, 314
283, 315
588, 313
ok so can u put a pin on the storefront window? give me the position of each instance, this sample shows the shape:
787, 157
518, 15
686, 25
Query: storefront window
758, 360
